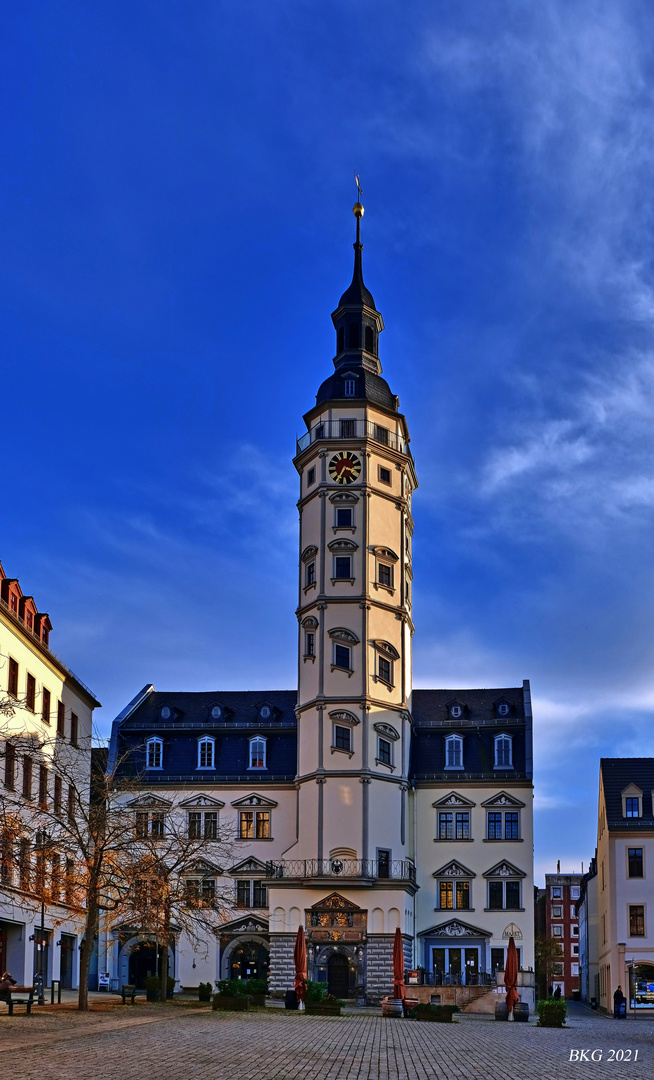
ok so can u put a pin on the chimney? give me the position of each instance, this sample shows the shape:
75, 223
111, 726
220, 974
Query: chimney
558, 866
582, 868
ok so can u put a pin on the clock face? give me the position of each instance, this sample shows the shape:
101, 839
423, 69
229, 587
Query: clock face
344, 468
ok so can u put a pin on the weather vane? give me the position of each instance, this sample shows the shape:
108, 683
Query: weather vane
359, 191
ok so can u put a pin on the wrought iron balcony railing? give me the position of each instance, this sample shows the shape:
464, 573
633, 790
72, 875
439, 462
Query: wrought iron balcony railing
454, 978
353, 429
379, 869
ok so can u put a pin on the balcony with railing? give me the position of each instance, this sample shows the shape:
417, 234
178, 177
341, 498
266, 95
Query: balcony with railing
452, 978
367, 869
353, 429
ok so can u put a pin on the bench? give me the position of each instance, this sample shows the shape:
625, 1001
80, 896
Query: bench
10, 998
128, 990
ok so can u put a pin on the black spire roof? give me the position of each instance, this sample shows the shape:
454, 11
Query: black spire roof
357, 293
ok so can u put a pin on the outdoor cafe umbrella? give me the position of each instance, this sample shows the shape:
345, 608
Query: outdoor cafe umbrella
300, 958
398, 965
511, 976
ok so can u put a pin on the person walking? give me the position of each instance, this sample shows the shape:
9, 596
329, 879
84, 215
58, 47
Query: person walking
619, 1004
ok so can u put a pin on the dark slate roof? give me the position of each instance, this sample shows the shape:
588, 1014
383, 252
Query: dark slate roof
619, 773
478, 725
357, 294
191, 718
369, 386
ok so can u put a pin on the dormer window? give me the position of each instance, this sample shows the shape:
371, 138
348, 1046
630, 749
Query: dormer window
454, 751
257, 752
503, 708
216, 712
503, 752
164, 712
632, 802
154, 753
632, 808
455, 711
265, 712
349, 387
206, 753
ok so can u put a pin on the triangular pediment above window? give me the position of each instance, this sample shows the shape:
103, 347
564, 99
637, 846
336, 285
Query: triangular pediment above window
255, 801
246, 924
150, 802
631, 791
454, 869
335, 902
503, 801
504, 869
200, 801
248, 866
204, 867
453, 799
455, 928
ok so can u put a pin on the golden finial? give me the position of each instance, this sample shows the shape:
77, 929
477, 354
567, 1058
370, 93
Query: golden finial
357, 209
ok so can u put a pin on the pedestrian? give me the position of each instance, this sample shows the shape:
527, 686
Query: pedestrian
557, 993
618, 1008
549, 990
6, 983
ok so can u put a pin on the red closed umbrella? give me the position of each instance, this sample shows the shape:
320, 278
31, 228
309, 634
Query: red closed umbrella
511, 976
398, 965
300, 958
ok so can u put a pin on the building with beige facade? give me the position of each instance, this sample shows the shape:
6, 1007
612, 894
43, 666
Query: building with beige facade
45, 708
359, 804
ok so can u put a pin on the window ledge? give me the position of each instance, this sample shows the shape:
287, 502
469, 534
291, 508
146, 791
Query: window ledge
257, 768
344, 528
154, 768
453, 910
504, 909
386, 588
452, 840
349, 580
503, 768
311, 585
384, 682
342, 750
516, 840
346, 671
205, 768
453, 768
378, 761
258, 839
308, 656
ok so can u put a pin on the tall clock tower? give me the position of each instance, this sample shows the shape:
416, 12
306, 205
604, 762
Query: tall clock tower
357, 478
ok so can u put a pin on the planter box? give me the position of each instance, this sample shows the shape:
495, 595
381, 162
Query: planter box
257, 999
434, 1014
551, 1013
323, 1010
222, 1003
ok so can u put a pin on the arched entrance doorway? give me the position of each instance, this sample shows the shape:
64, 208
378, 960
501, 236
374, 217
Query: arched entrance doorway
144, 960
248, 961
338, 975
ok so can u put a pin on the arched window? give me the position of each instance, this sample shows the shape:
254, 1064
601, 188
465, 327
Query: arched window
370, 339
353, 336
257, 752
503, 754
454, 752
154, 753
340, 339
206, 753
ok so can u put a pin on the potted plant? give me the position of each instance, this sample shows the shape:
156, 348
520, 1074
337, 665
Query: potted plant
257, 989
552, 1012
152, 987
232, 996
435, 1014
318, 1002
204, 991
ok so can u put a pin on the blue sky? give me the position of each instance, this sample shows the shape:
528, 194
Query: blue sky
175, 212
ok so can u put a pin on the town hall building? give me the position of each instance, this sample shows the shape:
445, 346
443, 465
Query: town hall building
359, 804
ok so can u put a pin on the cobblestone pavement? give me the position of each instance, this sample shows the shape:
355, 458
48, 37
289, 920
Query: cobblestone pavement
180, 1044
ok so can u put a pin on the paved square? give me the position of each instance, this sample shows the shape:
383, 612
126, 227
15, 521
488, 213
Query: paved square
172, 1043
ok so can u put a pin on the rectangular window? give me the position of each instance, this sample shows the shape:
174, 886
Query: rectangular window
57, 800
10, 765
55, 878
25, 866
262, 825
348, 387
574, 892
636, 920
194, 825
61, 719
384, 475
74, 729
511, 826
205, 754
310, 645
383, 863
513, 895
573, 911
454, 752
384, 751
243, 894
12, 684
495, 895
310, 574
503, 752
30, 692
384, 669
43, 787
381, 434
574, 969
445, 825
344, 517
463, 895
631, 808
211, 825
463, 825
72, 797
342, 738
259, 894
556, 892
635, 856
157, 825
557, 911
385, 575
497, 959
494, 826
154, 754
446, 895
574, 930
69, 881
311, 477
575, 950
342, 657
141, 824
342, 567
45, 706
27, 777
254, 825
557, 931
348, 429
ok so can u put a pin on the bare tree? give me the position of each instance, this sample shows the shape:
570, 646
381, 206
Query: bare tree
100, 850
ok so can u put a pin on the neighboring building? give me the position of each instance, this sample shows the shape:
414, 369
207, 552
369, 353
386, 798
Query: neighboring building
625, 866
562, 891
588, 915
360, 804
48, 700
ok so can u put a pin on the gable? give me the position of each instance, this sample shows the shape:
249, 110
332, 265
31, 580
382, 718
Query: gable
503, 800
454, 869
455, 929
249, 866
199, 801
204, 867
631, 791
453, 799
150, 802
246, 924
254, 800
335, 902
504, 869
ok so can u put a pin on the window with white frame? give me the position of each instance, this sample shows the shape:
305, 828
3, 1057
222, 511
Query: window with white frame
310, 643
149, 823
201, 892
574, 969
203, 825
453, 824
342, 738
384, 751
310, 574
503, 825
557, 911
556, 892
503, 752
206, 753
504, 895
557, 930
454, 752
342, 657
574, 892
251, 894
257, 752
574, 930
154, 753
